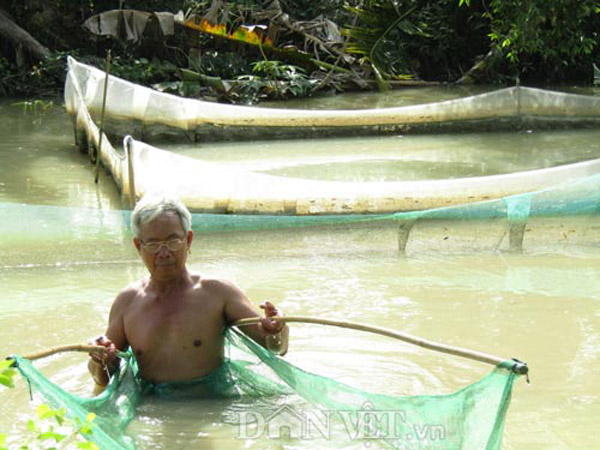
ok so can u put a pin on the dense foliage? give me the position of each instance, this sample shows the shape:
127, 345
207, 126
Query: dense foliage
418, 39
536, 41
546, 39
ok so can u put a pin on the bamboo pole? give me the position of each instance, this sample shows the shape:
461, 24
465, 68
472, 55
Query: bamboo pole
65, 348
130, 173
520, 367
107, 70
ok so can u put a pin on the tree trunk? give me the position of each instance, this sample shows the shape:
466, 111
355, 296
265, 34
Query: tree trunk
21, 38
489, 59
273, 12
212, 15
273, 9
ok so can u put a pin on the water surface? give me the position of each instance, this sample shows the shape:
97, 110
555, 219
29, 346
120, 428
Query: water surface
65, 253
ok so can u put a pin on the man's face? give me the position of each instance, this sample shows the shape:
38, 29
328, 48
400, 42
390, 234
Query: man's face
163, 246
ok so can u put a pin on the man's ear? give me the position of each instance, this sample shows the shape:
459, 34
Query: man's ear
137, 244
190, 237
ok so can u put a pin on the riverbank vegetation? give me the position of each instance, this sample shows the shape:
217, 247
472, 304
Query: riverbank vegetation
243, 51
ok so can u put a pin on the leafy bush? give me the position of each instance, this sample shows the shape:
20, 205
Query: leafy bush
272, 80
46, 77
142, 70
226, 65
50, 429
544, 39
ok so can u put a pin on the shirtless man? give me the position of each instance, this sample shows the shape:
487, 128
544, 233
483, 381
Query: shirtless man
174, 321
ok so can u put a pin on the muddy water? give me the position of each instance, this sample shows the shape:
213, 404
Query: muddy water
64, 253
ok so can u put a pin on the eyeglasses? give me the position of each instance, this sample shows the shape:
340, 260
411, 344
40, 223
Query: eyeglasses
172, 245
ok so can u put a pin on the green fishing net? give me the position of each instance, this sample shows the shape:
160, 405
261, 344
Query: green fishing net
566, 213
471, 418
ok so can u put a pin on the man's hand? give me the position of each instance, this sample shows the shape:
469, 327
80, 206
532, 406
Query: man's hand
269, 333
276, 339
268, 325
109, 355
103, 364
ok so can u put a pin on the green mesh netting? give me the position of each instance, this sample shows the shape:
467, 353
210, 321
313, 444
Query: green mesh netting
471, 418
575, 201
115, 407
576, 197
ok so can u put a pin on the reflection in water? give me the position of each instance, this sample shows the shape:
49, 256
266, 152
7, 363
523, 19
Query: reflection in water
59, 274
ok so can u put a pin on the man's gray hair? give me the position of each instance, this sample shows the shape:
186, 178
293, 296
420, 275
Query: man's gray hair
152, 206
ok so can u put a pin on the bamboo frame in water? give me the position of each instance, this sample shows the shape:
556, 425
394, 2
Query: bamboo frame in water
99, 153
519, 367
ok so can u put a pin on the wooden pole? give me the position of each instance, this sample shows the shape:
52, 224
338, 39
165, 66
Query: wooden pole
65, 348
404, 228
130, 173
107, 70
520, 368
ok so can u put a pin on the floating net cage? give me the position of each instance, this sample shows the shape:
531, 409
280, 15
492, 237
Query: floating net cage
545, 206
144, 112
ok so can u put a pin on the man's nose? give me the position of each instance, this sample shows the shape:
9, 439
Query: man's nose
163, 250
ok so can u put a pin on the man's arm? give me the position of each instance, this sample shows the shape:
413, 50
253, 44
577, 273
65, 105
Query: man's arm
102, 366
272, 335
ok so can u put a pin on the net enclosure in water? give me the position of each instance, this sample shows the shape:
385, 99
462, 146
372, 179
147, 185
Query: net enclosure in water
566, 213
130, 106
471, 418
238, 197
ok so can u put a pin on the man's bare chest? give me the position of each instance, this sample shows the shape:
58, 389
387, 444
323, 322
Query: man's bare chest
184, 323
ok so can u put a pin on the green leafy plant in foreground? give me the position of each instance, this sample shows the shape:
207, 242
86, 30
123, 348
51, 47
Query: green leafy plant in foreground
50, 429
7, 373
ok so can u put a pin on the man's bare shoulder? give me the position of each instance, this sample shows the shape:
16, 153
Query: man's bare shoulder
219, 285
129, 293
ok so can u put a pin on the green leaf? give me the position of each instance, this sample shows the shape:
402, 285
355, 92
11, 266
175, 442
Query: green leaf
6, 379
376, 36
6, 364
51, 435
31, 425
7, 373
60, 415
90, 417
87, 445
42, 410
